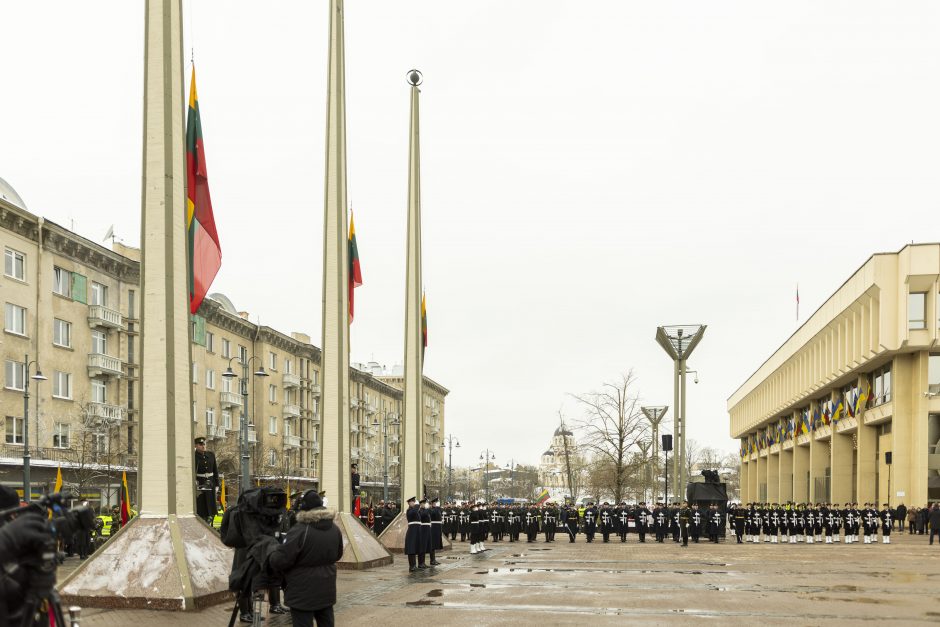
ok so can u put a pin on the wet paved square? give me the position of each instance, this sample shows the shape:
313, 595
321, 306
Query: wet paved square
564, 584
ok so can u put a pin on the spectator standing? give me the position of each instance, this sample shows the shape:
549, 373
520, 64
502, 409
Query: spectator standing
307, 562
934, 522
901, 516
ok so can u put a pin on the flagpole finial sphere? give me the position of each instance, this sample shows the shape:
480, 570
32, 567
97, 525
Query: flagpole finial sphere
415, 77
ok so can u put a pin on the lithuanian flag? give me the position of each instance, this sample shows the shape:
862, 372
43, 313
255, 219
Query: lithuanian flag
424, 324
543, 497
355, 271
205, 252
125, 500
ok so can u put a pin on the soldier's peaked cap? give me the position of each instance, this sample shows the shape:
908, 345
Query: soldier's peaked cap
200, 440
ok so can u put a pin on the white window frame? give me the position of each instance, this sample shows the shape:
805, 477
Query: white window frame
288, 366
226, 348
60, 380
58, 327
210, 378
227, 419
210, 342
10, 259
272, 457
210, 415
99, 342
14, 371
916, 324
61, 435
226, 384
272, 361
272, 425
17, 435
58, 287
99, 391
272, 393
195, 368
99, 294
14, 319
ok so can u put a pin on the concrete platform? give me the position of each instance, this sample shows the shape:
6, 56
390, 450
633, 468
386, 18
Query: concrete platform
618, 584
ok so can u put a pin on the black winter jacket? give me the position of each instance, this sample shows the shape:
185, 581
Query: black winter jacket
307, 560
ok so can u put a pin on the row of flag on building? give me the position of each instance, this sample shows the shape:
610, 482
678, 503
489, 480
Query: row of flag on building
203, 246
827, 413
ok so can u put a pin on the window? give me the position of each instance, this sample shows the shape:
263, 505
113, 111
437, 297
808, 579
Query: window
881, 385
132, 304
14, 264
933, 374
226, 348
287, 428
210, 341
61, 282
227, 419
130, 395
287, 366
210, 416
272, 425
62, 385
99, 342
226, 384
195, 368
288, 397
99, 294
272, 393
242, 354
60, 435
99, 391
272, 457
916, 311
15, 375
62, 333
272, 361
315, 375
210, 379
14, 430
131, 348
15, 319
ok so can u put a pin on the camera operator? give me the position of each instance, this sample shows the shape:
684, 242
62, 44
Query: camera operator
257, 516
307, 562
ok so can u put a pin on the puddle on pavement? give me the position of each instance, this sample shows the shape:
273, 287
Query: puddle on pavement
422, 602
478, 585
844, 588
436, 593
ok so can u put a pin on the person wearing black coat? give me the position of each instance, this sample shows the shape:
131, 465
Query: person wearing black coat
437, 530
933, 519
307, 562
413, 534
424, 541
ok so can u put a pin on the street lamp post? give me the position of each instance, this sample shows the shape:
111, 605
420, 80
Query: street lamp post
450, 442
27, 487
486, 456
245, 477
385, 423
655, 415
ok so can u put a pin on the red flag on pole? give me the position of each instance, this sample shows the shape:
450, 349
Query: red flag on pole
357, 509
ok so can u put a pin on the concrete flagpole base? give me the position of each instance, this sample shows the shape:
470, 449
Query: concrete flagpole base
361, 549
157, 563
393, 536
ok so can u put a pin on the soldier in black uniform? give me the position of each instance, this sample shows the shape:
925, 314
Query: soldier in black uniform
207, 481
570, 519
424, 541
532, 523
590, 522
413, 534
622, 519
713, 524
549, 521
437, 537
887, 520
695, 523
644, 521
684, 520
607, 521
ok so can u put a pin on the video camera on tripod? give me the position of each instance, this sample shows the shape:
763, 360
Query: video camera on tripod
29, 535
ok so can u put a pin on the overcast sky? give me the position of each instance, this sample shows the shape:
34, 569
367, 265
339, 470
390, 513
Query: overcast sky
590, 170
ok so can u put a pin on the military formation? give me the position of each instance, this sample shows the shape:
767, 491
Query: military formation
820, 523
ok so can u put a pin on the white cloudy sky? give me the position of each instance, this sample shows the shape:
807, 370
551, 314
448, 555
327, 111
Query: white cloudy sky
591, 170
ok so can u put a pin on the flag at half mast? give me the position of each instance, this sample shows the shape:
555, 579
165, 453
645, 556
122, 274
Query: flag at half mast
203, 248
355, 271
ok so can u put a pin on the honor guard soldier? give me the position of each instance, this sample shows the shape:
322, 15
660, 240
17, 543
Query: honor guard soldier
644, 521
437, 532
662, 522
607, 521
532, 524
570, 519
515, 523
413, 535
695, 523
207, 480
622, 517
887, 520
713, 525
550, 521
463, 522
590, 522
684, 520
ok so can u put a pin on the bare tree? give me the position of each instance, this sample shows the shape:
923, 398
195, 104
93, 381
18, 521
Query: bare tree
612, 427
700, 458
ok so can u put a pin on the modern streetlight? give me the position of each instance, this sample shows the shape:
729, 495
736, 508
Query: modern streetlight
655, 415
679, 341
27, 487
450, 442
245, 478
486, 457
385, 422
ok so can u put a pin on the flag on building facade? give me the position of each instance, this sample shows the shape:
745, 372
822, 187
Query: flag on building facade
204, 250
355, 270
125, 500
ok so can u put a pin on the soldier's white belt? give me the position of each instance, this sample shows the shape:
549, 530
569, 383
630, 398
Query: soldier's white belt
414, 523
204, 475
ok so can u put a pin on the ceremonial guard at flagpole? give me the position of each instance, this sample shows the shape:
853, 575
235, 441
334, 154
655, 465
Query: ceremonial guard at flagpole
437, 532
207, 482
413, 534
424, 514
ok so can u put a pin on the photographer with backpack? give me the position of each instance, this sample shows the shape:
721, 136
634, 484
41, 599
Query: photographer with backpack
307, 563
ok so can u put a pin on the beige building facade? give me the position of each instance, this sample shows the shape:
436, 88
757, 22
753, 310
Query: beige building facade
848, 408
73, 306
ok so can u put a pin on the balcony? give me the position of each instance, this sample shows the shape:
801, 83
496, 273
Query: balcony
354, 452
315, 417
393, 438
393, 460
315, 447
354, 428
252, 436
104, 365
216, 432
104, 411
99, 316
435, 412
353, 403
230, 399
291, 411
370, 409
291, 441
315, 389
434, 429
290, 380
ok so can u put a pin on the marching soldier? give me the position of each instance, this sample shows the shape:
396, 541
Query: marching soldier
644, 521
590, 522
515, 523
674, 521
739, 522
571, 521
662, 521
463, 521
607, 521
207, 481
